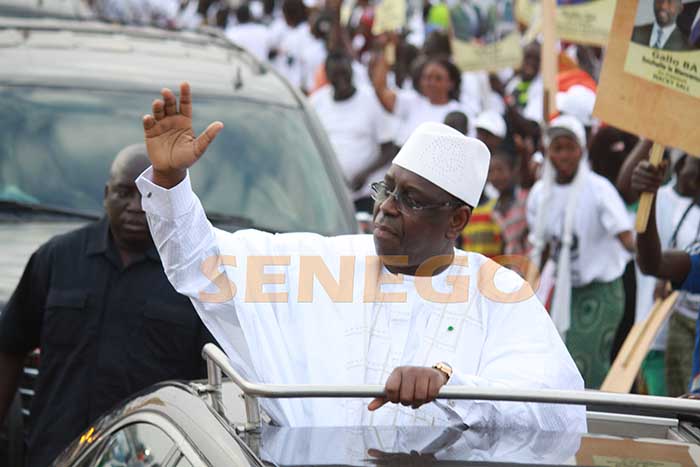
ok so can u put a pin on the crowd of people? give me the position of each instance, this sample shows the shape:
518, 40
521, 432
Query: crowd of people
564, 197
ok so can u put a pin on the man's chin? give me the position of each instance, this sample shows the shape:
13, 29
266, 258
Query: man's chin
136, 237
386, 246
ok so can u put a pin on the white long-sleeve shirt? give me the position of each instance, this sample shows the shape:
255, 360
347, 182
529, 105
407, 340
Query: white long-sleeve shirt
314, 334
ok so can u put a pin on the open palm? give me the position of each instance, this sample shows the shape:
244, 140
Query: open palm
170, 141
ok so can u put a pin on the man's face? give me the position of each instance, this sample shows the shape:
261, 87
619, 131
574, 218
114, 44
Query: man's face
565, 154
666, 11
531, 62
339, 74
501, 174
420, 235
123, 206
689, 177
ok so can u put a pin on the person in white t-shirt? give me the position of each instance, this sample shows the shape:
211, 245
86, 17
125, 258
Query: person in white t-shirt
439, 89
578, 222
251, 36
293, 46
357, 126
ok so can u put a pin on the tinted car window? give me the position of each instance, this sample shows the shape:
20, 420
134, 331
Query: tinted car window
139, 444
56, 146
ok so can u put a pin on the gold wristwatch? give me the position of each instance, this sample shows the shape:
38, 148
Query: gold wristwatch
444, 368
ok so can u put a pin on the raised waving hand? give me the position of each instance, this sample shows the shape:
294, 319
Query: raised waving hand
170, 141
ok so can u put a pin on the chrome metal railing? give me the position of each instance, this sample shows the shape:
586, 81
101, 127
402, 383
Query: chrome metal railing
218, 363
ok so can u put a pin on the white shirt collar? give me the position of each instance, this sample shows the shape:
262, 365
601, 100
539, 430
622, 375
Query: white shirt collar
665, 33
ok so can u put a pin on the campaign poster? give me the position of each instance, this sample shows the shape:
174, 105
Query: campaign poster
485, 35
586, 22
650, 81
665, 45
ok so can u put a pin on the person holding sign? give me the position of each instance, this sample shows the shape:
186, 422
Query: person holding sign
681, 268
407, 319
663, 32
580, 228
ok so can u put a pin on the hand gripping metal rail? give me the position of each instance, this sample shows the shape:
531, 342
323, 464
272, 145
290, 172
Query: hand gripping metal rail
218, 363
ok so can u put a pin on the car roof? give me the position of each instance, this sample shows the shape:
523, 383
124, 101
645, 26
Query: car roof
189, 407
92, 54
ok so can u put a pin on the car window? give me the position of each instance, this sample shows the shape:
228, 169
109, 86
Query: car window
56, 146
137, 445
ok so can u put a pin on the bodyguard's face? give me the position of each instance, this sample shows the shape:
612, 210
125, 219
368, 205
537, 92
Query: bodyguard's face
123, 207
419, 235
666, 11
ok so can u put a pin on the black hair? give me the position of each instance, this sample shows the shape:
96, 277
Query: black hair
457, 120
437, 44
243, 14
268, 7
609, 148
294, 11
336, 56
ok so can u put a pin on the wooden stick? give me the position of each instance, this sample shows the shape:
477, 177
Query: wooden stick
636, 346
646, 199
549, 57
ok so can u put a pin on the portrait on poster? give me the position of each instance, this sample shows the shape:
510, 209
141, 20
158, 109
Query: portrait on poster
484, 35
664, 45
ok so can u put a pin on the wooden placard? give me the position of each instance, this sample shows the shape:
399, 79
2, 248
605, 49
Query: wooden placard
586, 22
636, 346
651, 92
485, 40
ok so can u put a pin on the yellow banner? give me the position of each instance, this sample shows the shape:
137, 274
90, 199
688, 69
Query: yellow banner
679, 71
475, 56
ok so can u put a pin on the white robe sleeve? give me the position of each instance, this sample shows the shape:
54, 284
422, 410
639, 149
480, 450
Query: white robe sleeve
522, 350
186, 240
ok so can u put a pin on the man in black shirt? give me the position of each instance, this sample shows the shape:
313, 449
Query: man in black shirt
108, 322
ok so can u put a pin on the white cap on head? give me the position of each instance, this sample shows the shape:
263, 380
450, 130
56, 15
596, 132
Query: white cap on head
492, 122
577, 101
442, 155
566, 125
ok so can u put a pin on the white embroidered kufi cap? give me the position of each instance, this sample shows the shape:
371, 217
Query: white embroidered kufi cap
442, 155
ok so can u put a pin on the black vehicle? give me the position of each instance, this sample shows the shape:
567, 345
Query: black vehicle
219, 423
73, 95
